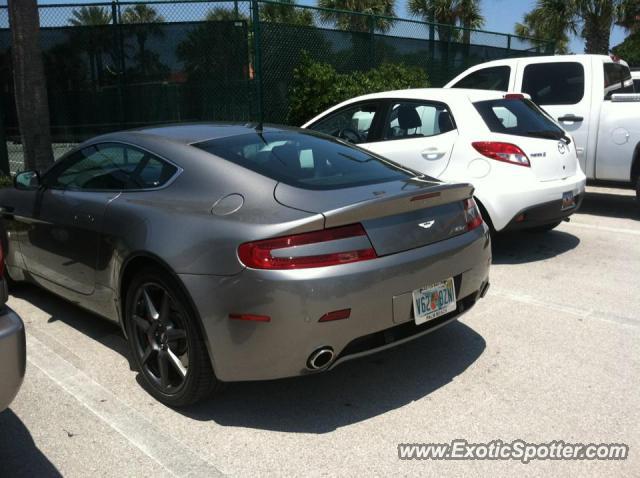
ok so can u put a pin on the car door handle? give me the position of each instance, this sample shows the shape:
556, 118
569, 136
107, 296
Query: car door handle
572, 118
432, 153
84, 217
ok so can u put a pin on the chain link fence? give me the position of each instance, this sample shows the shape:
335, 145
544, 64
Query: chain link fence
121, 65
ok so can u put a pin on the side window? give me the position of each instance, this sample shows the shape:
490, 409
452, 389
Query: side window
352, 123
110, 166
617, 79
559, 83
494, 78
413, 119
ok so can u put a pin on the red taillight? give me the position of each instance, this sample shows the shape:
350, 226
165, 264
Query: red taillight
260, 254
514, 96
472, 213
505, 152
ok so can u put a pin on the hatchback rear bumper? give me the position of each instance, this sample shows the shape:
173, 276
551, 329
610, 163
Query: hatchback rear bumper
377, 292
543, 214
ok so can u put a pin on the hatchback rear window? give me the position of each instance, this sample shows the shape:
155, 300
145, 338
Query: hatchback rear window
304, 160
517, 117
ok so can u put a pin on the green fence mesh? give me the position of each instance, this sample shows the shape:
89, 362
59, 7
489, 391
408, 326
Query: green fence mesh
120, 65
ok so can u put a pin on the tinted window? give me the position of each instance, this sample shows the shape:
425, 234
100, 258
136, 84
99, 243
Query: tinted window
494, 78
554, 83
110, 166
416, 120
617, 79
517, 117
352, 123
304, 160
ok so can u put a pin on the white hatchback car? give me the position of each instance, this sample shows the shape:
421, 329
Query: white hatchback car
523, 166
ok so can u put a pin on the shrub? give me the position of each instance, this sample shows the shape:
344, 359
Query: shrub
318, 86
629, 49
5, 181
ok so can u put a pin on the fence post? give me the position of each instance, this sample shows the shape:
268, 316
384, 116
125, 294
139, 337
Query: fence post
119, 47
508, 44
257, 58
372, 41
432, 36
5, 167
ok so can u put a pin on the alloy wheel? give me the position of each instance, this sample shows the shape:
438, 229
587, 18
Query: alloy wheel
160, 337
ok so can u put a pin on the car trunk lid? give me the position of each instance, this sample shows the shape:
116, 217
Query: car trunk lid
397, 215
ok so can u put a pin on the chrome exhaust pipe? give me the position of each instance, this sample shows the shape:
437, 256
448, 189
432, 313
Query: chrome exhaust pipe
320, 358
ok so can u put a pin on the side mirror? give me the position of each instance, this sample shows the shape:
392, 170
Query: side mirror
27, 180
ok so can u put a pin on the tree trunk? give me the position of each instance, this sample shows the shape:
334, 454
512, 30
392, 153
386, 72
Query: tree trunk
30, 84
596, 34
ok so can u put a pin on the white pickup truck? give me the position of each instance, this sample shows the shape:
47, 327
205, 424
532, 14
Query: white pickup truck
591, 96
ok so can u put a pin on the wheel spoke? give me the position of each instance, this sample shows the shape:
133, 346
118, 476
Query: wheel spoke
163, 368
165, 309
141, 323
147, 354
151, 309
175, 334
177, 363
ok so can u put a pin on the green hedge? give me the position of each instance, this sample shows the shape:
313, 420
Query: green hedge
5, 181
318, 86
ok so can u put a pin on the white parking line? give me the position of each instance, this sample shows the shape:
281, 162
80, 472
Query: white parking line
175, 457
604, 228
566, 309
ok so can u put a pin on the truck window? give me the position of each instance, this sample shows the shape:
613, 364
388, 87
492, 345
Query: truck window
617, 79
494, 78
560, 83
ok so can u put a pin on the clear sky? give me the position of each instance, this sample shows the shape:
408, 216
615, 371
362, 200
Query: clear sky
500, 16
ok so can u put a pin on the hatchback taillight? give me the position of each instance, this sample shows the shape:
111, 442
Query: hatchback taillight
281, 253
472, 214
505, 152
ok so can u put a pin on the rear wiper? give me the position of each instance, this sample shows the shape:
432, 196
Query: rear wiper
549, 134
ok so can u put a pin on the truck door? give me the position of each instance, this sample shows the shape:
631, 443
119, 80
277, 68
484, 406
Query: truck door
559, 87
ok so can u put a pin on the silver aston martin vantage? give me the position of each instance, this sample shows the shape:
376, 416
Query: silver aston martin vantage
230, 252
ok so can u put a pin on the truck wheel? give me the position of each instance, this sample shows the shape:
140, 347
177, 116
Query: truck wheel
638, 189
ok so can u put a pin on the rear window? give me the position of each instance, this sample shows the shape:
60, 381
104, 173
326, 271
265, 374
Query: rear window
517, 117
560, 83
617, 79
304, 160
493, 78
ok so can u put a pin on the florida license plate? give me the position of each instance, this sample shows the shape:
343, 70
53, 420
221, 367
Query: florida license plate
433, 301
568, 200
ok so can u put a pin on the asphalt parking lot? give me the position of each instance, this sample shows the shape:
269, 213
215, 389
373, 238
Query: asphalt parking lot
550, 354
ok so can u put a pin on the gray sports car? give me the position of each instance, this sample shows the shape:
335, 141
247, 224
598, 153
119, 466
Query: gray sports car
231, 252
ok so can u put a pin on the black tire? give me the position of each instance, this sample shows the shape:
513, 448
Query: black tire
638, 190
545, 227
162, 335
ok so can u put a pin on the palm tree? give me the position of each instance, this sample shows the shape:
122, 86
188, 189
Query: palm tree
143, 21
557, 20
220, 14
286, 12
359, 23
448, 14
93, 35
629, 15
30, 84
90, 15
551, 20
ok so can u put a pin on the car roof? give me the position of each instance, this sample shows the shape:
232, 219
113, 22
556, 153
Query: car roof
434, 94
190, 133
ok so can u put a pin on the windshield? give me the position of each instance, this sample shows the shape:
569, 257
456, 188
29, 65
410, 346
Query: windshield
305, 160
519, 117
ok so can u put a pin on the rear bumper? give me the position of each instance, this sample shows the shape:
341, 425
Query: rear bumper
541, 199
12, 355
378, 292
542, 215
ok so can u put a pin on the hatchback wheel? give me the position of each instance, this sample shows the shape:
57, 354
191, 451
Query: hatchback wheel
166, 341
